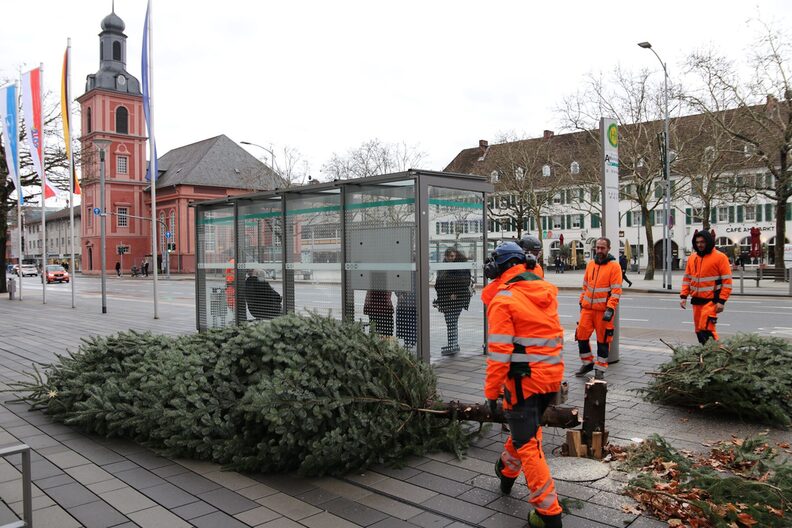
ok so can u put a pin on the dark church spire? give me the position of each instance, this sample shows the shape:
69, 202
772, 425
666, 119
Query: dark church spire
112, 74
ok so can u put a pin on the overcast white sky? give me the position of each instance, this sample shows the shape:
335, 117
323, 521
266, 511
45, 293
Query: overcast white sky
324, 76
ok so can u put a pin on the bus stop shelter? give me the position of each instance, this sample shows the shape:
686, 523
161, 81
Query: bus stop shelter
402, 253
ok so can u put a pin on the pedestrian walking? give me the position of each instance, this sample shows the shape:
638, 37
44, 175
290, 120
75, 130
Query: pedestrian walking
708, 282
602, 288
453, 295
144, 266
261, 299
525, 366
623, 264
406, 320
118, 268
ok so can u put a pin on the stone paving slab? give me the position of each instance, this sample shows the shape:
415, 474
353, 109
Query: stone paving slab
83, 480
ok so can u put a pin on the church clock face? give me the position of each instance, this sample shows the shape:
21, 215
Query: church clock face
121, 80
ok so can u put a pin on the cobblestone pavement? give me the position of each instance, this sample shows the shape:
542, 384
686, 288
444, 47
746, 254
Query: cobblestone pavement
82, 480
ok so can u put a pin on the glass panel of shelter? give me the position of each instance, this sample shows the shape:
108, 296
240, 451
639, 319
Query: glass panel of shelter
260, 268
455, 267
313, 253
380, 262
215, 284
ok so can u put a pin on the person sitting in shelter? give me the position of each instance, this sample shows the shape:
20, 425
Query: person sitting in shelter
262, 300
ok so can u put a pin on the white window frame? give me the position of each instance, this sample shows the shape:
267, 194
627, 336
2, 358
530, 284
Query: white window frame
749, 213
636, 218
574, 168
122, 220
122, 165
557, 220
519, 174
546, 172
575, 221
723, 215
557, 198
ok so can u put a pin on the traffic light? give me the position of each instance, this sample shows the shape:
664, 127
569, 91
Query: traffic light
171, 246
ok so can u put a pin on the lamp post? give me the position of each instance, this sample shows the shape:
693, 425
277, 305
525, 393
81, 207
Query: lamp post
666, 175
102, 145
271, 153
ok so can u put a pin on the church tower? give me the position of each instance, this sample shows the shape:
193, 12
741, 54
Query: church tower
112, 109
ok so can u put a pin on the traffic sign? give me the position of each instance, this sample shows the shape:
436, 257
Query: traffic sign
97, 211
167, 234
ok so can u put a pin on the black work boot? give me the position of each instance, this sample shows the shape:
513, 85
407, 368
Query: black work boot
584, 369
506, 483
537, 520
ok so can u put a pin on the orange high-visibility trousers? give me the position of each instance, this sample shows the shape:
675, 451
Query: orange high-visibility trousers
704, 318
523, 451
590, 322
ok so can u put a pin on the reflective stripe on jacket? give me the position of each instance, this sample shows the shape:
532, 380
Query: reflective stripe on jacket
707, 278
602, 285
524, 333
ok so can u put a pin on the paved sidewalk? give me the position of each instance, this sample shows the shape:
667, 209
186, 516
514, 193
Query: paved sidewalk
82, 480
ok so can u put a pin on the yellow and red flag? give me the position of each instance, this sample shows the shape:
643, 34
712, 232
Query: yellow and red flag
66, 114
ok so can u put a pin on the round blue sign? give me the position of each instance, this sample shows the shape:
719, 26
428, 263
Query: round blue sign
97, 211
167, 234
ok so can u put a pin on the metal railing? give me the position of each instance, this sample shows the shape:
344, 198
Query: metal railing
27, 489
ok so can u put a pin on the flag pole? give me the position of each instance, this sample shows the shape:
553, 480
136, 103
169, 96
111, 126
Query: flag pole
148, 57
20, 196
43, 198
68, 134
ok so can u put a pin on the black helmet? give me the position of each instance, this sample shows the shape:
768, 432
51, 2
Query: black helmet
531, 244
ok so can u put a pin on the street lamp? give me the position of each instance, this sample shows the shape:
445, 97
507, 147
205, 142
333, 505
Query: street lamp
666, 174
102, 145
271, 153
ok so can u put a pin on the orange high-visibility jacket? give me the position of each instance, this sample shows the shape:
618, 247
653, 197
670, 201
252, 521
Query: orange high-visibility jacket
602, 285
707, 279
489, 291
524, 329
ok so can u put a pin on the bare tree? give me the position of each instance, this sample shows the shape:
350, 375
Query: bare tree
55, 165
762, 115
636, 104
372, 158
529, 173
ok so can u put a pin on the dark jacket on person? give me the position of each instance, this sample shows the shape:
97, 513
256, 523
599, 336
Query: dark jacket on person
453, 289
262, 300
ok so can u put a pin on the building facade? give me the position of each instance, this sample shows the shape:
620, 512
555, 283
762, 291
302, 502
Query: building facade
112, 110
567, 169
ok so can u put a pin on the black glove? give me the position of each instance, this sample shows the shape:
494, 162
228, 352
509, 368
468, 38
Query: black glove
581, 306
493, 406
608, 315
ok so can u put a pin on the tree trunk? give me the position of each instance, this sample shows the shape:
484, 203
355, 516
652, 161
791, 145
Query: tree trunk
705, 220
650, 253
555, 416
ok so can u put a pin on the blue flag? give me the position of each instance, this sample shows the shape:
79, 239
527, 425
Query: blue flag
9, 126
147, 96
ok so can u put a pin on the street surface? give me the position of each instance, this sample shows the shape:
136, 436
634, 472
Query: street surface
639, 311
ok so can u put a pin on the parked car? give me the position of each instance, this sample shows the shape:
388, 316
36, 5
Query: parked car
55, 273
27, 270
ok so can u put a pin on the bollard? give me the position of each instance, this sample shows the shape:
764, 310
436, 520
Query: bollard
11, 289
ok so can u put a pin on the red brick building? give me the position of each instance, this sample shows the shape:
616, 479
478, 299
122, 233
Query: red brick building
112, 109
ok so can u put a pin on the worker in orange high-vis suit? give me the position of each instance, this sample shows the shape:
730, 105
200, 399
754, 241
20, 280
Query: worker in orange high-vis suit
529, 244
230, 277
525, 366
708, 280
602, 288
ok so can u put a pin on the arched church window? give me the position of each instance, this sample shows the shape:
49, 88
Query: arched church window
116, 51
122, 120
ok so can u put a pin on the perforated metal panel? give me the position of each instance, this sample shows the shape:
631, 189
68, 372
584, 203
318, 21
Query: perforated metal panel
260, 251
380, 258
313, 252
455, 262
215, 275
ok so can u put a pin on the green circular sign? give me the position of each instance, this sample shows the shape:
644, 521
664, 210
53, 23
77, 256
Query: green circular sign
613, 135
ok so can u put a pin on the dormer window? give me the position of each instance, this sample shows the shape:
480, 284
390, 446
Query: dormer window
519, 174
749, 150
122, 120
494, 178
574, 168
640, 163
709, 153
546, 171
